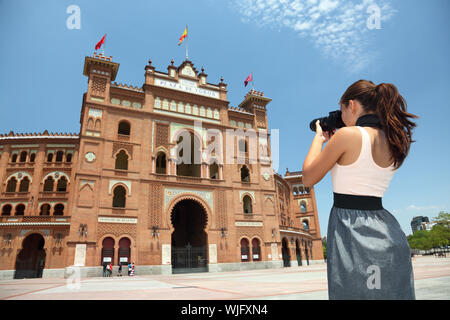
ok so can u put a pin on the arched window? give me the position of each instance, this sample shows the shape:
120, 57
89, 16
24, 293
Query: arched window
214, 171
190, 167
14, 157
161, 163
12, 185
32, 157
58, 210
307, 190
59, 156
45, 210
119, 197
247, 204
23, 156
303, 206
48, 184
24, 184
243, 145
69, 157
124, 128
62, 184
122, 160
6, 210
256, 250
295, 191
305, 225
20, 209
245, 174
245, 252
50, 157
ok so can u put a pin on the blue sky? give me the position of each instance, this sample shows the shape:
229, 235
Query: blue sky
303, 55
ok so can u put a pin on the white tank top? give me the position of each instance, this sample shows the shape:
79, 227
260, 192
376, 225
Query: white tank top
363, 177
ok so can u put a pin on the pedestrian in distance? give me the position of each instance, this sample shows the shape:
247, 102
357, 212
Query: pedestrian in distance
104, 269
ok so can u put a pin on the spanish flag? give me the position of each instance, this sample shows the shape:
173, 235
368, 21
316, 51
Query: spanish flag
184, 35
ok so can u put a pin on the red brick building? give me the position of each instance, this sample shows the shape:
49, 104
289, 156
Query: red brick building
116, 192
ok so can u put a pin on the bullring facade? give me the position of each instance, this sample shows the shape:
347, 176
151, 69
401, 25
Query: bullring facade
115, 192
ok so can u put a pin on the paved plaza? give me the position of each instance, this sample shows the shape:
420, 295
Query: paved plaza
431, 274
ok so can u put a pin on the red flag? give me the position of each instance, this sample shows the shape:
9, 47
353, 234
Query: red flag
99, 44
249, 78
184, 35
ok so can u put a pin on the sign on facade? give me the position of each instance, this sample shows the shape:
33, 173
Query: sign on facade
80, 255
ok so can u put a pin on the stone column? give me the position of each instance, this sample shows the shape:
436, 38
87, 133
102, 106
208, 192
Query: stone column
207, 171
153, 165
220, 172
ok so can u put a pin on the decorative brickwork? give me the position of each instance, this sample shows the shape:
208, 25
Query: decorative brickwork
249, 232
260, 119
128, 147
116, 229
98, 86
155, 205
221, 209
162, 135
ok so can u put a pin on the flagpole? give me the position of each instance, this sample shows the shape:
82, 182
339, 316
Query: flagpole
103, 49
187, 42
253, 81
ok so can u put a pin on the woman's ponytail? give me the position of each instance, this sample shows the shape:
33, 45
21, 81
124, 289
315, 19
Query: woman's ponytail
391, 109
385, 100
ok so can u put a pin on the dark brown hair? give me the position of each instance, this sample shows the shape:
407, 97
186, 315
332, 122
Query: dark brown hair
385, 101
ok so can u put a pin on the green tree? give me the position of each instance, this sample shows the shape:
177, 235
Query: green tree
421, 240
324, 247
443, 218
438, 236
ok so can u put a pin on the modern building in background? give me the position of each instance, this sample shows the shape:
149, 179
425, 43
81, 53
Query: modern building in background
418, 223
114, 192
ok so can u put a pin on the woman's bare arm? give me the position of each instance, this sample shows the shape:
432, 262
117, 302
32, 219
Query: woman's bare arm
318, 162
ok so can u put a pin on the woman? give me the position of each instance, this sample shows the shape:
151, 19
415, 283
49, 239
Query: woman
368, 256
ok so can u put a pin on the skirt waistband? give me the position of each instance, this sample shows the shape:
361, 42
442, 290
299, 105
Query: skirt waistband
349, 201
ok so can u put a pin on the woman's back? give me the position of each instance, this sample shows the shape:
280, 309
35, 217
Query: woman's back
366, 168
379, 146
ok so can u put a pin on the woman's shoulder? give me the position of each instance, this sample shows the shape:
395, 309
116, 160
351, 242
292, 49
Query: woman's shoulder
346, 133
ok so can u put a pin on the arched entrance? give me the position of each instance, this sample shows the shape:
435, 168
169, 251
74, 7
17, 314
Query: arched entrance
124, 251
298, 252
107, 251
30, 261
189, 238
285, 253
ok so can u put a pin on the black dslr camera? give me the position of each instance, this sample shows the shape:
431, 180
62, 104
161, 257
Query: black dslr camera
333, 121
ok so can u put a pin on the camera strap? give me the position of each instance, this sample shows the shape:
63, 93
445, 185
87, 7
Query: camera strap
369, 120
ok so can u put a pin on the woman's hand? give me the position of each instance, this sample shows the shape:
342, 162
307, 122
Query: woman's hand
325, 136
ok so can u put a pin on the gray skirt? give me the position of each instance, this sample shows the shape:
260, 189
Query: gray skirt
368, 256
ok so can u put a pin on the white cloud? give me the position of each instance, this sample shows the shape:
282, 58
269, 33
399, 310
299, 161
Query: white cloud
414, 207
338, 28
